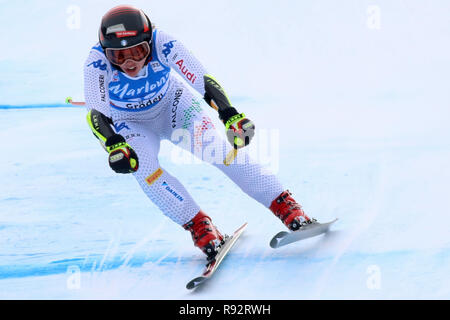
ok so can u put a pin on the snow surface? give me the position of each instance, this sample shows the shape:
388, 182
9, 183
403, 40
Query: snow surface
356, 120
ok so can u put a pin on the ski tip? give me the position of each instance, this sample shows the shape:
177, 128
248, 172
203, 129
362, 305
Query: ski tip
194, 283
308, 231
333, 221
275, 240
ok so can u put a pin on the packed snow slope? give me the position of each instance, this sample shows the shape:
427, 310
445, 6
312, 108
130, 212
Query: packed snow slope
351, 103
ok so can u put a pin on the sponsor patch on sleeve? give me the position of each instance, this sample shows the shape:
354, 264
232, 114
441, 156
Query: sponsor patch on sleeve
154, 176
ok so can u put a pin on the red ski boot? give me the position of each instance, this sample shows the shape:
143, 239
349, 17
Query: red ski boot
205, 234
289, 211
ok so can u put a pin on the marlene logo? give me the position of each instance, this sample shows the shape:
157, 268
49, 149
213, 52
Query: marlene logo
154, 176
129, 90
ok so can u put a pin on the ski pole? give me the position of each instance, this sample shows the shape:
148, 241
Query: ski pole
230, 157
74, 103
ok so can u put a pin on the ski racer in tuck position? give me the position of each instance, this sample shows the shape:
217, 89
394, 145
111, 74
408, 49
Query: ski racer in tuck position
134, 101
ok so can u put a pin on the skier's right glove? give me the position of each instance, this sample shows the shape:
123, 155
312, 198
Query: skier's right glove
122, 158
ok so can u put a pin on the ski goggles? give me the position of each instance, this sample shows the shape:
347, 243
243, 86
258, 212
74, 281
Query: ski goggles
137, 53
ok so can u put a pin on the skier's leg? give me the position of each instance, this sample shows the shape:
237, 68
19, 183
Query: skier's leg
205, 142
164, 190
204, 234
262, 185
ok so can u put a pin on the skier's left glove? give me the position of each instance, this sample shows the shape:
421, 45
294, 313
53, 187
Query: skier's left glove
240, 130
122, 158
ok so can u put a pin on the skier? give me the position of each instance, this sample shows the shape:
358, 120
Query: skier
134, 101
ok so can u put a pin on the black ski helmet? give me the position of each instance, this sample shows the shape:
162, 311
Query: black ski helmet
124, 26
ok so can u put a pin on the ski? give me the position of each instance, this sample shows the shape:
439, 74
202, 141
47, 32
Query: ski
212, 266
310, 230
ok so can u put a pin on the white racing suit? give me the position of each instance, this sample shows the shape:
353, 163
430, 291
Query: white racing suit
156, 105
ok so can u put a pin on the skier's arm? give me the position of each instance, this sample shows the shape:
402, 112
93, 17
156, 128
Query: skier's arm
216, 97
174, 54
100, 126
239, 129
121, 158
96, 69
